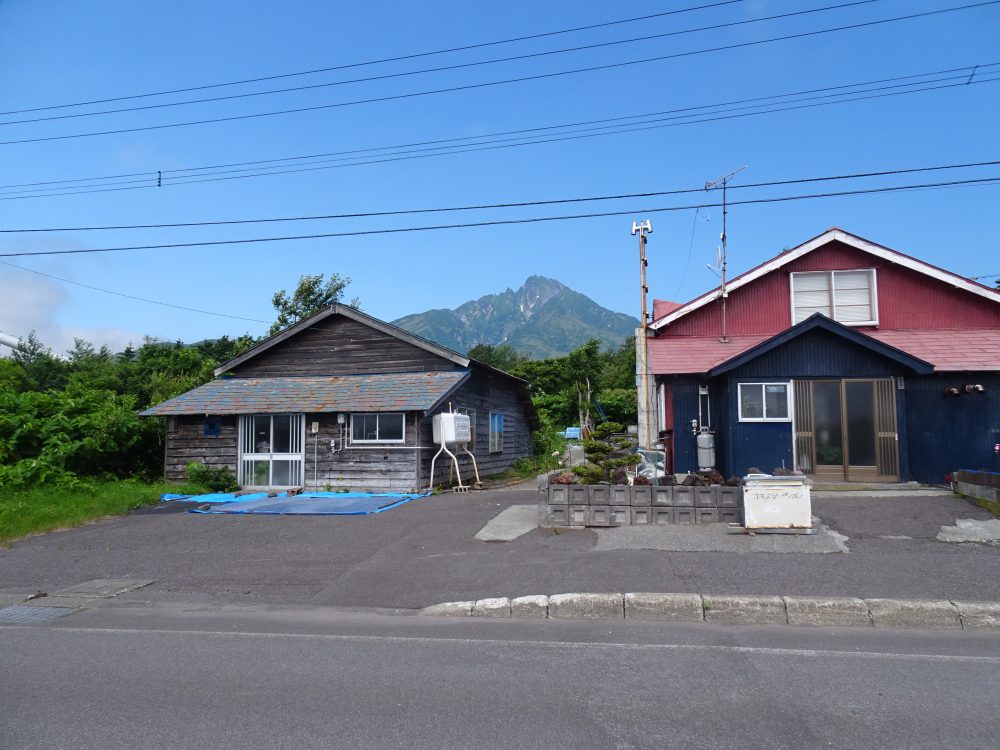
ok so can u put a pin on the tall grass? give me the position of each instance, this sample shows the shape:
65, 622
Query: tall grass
31, 511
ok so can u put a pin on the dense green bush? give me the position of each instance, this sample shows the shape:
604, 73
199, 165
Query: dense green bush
215, 478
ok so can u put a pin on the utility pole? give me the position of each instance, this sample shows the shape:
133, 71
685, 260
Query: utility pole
644, 228
723, 182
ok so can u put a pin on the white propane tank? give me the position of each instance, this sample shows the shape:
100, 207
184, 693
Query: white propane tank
706, 450
451, 428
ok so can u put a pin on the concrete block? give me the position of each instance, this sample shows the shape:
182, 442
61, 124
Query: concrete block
579, 494
671, 607
586, 606
496, 607
642, 496
706, 515
642, 516
599, 515
663, 495
729, 497
683, 496
600, 494
529, 606
621, 515
745, 610
558, 515
834, 611
914, 613
662, 516
706, 497
577, 514
620, 495
729, 515
979, 615
684, 515
559, 494
449, 609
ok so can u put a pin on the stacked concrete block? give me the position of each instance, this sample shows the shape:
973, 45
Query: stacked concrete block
638, 505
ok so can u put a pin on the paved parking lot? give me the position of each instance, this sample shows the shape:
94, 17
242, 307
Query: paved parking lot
425, 552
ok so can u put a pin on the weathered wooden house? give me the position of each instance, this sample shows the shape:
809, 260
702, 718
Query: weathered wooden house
841, 358
342, 400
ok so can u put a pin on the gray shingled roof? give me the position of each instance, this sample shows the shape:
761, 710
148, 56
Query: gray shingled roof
400, 391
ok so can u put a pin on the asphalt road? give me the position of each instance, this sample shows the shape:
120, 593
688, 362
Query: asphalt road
425, 552
109, 679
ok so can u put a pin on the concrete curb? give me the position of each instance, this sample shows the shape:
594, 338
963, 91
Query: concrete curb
736, 610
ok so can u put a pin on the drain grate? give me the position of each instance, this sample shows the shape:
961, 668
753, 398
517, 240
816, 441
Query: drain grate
23, 614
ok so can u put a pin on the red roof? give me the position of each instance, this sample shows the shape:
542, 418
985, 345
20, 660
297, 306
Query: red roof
975, 349
663, 307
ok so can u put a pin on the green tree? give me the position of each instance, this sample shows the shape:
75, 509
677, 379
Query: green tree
503, 357
310, 296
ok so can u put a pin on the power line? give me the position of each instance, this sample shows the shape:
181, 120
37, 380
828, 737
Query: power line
511, 204
130, 296
441, 69
504, 222
485, 145
487, 84
398, 58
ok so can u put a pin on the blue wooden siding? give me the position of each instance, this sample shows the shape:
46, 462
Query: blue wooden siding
945, 433
818, 354
685, 395
762, 445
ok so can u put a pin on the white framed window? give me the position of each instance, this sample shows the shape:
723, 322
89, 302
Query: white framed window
764, 402
849, 297
378, 428
496, 432
271, 450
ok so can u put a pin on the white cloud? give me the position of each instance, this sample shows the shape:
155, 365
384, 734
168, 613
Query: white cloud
33, 303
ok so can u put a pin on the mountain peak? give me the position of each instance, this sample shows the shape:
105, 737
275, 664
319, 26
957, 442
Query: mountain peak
543, 318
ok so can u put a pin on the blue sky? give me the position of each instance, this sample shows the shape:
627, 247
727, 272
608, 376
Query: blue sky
60, 52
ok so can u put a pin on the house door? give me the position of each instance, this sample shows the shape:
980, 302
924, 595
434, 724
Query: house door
271, 450
846, 430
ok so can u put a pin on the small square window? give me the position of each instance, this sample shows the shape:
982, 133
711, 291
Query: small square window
764, 402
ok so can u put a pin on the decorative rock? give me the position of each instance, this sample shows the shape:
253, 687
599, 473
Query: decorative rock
586, 606
670, 607
745, 610
805, 610
496, 607
529, 606
913, 613
449, 609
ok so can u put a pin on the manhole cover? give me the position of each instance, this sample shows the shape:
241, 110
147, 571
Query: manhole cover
23, 614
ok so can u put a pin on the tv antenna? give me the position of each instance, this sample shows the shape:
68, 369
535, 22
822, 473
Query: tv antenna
723, 182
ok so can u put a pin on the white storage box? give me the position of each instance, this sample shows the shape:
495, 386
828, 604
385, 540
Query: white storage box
776, 502
451, 428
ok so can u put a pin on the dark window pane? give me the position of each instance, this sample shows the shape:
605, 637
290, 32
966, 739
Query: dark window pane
776, 401
829, 435
282, 435
365, 427
390, 427
860, 424
751, 402
262, 434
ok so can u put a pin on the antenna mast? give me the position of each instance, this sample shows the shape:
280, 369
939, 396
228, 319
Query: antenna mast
723, 182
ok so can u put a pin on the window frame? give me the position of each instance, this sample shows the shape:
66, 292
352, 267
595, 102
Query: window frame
832, 300
763, 401
378, 428
496, 436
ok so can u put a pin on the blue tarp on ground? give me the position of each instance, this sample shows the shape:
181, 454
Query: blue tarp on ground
306, 504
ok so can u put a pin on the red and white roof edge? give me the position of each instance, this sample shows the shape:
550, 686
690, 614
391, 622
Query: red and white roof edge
893, 256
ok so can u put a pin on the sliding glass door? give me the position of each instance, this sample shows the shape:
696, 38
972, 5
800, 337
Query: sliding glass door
271, 450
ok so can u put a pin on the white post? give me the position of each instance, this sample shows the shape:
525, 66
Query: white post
649, 429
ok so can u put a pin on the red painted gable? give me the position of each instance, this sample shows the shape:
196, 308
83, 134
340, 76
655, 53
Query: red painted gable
907, 300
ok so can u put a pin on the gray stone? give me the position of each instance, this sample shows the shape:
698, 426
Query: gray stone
599, 515
600, 494
578, 494
529, 606
671, 607
496, 607
684, 496
684, 516
707, 515
577, 514
559, 494
620, 494
586, 606
621, 515
449, 609
971, 530
913, 613
642, 516
642, 496
979, 615
558, 515
706, 497
662, 516
833, 611
663, 495
745, 610
729, 497
729, 515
